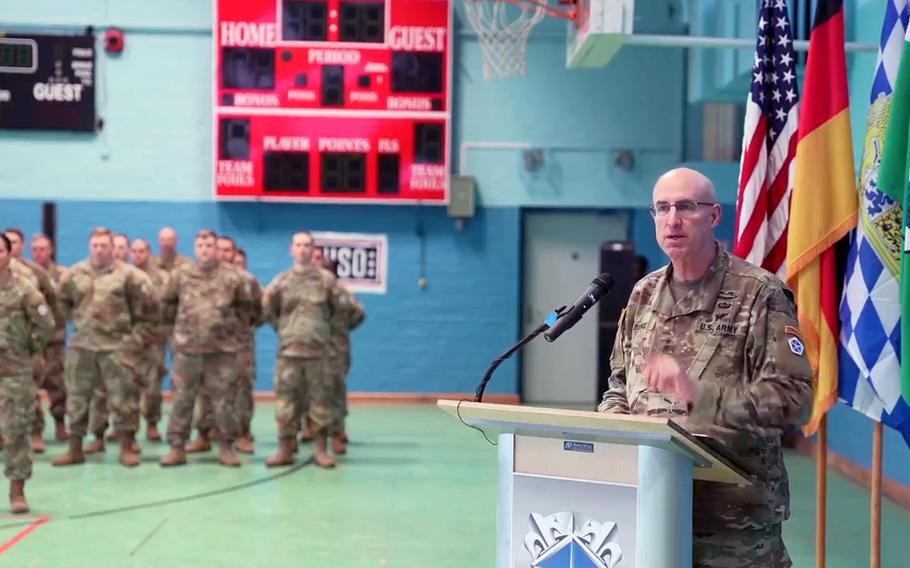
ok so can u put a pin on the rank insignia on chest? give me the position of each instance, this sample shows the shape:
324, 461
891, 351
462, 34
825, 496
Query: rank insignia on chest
727, 295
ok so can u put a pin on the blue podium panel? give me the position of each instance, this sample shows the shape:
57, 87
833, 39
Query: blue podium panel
573, 555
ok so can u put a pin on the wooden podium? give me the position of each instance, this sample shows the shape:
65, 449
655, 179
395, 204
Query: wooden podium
591, 490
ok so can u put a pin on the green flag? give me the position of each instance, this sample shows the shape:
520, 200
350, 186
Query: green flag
894, 180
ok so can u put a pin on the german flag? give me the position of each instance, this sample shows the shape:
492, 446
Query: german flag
824, 202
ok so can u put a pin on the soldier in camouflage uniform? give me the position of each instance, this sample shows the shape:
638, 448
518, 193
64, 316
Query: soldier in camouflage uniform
151, 363
39, 365
300, 305
338, 360
98, 414
26, 325
168, 258
51, 379
714, 340
114, 313
206, 302
205, 411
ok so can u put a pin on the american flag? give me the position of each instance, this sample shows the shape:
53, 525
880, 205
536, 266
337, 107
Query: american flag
769, 144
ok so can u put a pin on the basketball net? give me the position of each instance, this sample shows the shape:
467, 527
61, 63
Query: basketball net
503, 33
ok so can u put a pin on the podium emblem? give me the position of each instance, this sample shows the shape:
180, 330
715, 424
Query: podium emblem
571, 540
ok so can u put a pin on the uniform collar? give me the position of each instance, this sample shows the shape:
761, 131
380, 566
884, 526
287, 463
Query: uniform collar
104, 269
700, 299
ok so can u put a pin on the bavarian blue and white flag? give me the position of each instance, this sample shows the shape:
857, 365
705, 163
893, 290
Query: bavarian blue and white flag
870, 371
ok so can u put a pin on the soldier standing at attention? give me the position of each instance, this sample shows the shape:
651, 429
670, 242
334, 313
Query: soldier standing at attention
46, 287
168, 258
338, 362
205, 301
51, 379
98, 414
152, 369
714, 340
300, 304
26, 325
243, 405
114, 313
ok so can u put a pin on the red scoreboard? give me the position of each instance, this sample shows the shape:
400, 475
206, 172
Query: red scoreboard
333, 100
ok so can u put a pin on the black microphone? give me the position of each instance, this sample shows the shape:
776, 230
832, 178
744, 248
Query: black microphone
599, 288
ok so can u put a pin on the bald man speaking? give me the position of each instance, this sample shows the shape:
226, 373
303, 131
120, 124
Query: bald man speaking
713, 342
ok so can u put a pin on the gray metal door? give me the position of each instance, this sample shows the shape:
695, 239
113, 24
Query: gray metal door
561, 257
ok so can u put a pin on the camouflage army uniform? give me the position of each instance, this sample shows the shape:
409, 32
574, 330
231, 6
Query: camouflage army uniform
300, 306
114, 313
246, 365
338, 360
735, 333
54, 355
169, 266
152, 369
41, 362
26, 325
205, 306
147, 364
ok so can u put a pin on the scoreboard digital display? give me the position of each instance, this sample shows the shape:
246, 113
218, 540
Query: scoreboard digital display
333, 100
47, 82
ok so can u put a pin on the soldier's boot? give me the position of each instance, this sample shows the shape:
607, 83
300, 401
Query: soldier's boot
37, 442
285, 455
60, 432
177, 456
226, 455
307, 434
151, 432
339, 446
200, 444
323, 459
244, 444
17, 503
74, 454
128, 456
97, 445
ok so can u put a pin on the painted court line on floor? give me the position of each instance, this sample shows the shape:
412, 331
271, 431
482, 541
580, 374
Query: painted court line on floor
170, 501
148, 537
24, 533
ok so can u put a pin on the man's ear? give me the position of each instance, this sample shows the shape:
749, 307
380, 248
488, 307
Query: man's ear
715, 215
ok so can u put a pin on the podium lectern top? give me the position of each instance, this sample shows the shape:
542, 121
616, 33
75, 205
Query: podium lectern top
709, 464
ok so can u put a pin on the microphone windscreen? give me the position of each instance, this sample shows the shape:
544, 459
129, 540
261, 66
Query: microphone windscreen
605, 280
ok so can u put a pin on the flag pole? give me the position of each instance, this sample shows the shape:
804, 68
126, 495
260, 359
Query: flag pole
821, 492
875, 543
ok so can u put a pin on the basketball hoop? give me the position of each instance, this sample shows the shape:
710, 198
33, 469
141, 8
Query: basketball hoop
503, 27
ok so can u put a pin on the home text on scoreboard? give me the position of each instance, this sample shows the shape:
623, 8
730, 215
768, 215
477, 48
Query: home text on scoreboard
333, 100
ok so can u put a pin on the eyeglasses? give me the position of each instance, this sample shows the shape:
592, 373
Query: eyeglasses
685, 207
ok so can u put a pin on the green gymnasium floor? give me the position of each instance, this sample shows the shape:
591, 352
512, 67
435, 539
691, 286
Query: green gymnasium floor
416, 490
